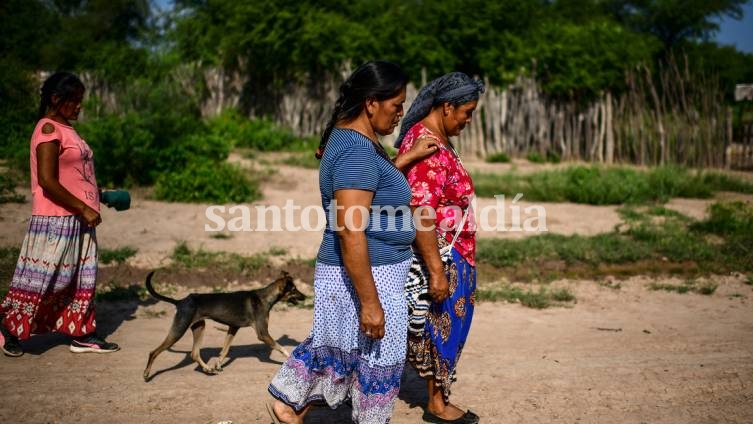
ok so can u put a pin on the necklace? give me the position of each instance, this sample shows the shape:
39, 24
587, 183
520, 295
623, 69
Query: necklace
454, 152
446, 140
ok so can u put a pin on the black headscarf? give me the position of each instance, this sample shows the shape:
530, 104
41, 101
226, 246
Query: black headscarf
456, 88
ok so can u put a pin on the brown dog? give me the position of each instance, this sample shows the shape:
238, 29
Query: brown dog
235, 309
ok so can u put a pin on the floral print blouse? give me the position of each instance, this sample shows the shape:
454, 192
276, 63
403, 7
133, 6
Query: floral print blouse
441, 182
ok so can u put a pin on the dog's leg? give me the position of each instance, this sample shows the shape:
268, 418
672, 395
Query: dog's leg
263, 334
231, 332
198, 333
178, 328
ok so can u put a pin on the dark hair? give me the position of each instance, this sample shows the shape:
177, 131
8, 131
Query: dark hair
65, 85
376, 79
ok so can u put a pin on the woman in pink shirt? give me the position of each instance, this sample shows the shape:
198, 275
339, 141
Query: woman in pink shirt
53, 286
441, 183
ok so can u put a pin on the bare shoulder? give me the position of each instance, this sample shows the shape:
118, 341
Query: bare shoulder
48, 128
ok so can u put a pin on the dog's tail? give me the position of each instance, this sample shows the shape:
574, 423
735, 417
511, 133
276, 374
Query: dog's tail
154, 294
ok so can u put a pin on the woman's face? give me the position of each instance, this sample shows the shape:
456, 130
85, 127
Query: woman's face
385, 115
457, 117
69, 109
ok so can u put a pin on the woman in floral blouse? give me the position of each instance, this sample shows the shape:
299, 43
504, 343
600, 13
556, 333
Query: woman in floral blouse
440, 183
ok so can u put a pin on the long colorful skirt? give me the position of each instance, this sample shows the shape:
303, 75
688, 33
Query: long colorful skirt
436, 352
337, 361
52, 289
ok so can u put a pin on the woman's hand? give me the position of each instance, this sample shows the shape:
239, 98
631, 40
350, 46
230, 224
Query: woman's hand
91, 217
439, 287
422, 148
372, 320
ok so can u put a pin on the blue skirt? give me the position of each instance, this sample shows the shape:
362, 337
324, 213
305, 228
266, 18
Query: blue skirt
436, 351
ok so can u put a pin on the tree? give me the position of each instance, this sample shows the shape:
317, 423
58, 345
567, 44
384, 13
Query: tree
673, 21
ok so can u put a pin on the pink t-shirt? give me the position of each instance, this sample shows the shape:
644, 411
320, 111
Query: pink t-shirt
75, 170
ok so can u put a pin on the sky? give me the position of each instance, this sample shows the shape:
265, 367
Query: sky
738, 33
731, 32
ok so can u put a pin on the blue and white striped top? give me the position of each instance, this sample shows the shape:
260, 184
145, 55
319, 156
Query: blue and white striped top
351, 161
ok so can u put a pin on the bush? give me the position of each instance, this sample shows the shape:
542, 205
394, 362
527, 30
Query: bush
135, 149
118, 256
207, 182
598, 185
124, 150
535, 157
500, 157
258, 134
8, 190
19, 100
303, 160
728, 218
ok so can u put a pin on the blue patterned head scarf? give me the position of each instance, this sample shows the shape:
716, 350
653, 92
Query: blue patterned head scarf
455, 88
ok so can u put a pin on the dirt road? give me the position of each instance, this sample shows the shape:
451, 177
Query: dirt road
627, 355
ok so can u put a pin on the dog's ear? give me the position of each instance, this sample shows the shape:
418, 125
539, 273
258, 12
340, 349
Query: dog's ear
284, 274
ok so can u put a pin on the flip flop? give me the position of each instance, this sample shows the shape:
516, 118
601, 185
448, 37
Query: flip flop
272, 414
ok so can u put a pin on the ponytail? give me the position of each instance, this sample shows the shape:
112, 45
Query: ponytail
376, 79
330, 126
62, 84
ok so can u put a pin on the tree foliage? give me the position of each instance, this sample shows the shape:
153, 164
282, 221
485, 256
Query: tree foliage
577, 49
674, 21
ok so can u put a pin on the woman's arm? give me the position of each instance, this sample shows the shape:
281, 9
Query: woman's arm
47, 176
422, 148
428, 248
356, 206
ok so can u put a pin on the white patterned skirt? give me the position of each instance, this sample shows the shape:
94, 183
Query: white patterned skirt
337, 361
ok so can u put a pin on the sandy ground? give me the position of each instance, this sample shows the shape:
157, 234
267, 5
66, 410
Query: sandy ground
627, 355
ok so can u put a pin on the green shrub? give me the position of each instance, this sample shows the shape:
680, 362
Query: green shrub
259, 134
129, 150
158, 129
119, 255
705, 288
19, 100
549, 156
186, 258
599, 185
8, 190
728, 218
540, 299
734, 222
535, 157
114, 293
303, 160
500, 157
207, 182
195, 148
666, 182
125, 152
723, 182
553, 157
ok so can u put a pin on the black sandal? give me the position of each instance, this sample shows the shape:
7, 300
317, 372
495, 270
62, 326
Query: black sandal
468, 418
9, 343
